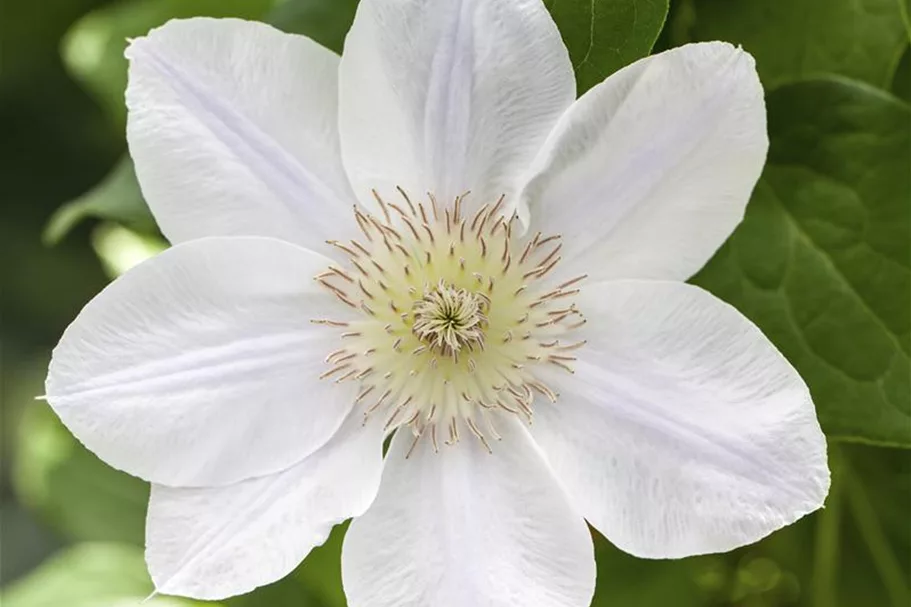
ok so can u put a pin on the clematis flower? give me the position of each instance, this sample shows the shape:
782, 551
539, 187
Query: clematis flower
431, 238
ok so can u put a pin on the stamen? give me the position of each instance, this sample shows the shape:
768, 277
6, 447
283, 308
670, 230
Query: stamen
364, 394
407, 200
415, 443
477, 216
453, 324
382, 206
360, 247
474, 430
339, 245
330, 323
333, 371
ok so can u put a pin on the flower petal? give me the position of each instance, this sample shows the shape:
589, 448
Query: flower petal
466, 527
683, 430
447, 96
651, 170
211, 543
200, 366
233, 128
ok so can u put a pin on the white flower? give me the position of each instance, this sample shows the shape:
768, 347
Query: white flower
530, 342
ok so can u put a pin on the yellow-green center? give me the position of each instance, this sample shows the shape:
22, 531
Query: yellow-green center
457, 316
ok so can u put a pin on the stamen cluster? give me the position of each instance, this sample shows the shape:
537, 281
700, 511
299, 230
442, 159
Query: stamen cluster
449, 319
457, 314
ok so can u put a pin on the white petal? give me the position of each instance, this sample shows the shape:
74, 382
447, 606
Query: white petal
650, 171
465, 527
448, 96
200, 366
683, 431
233, 128
211, 543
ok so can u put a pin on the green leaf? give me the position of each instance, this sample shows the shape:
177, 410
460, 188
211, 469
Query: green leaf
626, 580
72, 489
30, 32
93, 48
821, 261
877, 487
901, 83
326, 21
862, 39
321, 572
862, 549
90, 575
117, 197
120, 248
604, 35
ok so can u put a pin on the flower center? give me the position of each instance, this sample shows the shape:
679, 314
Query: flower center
457, 318
448, 319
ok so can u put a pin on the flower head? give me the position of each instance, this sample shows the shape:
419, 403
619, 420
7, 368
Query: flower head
456, 315
430, 237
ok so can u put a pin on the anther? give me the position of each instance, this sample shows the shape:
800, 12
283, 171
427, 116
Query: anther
364, 290
382, 206
334, 370
433, 205
361, 269
413, 230
341, 273
332, 355
407, 200
378, 403
474, 430
364, 394
359, 247
561, 364
574, 346
481, 211
329, 323
529, 247
346, 376
339, 245
414, 443
397, 209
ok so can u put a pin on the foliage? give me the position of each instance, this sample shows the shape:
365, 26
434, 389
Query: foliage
860, 39
90, 575
821, 263
604, 35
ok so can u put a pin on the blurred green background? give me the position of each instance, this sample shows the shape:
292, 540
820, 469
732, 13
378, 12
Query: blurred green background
821, 264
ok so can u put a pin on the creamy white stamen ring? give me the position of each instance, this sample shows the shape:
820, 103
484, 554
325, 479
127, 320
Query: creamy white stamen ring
457, 316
